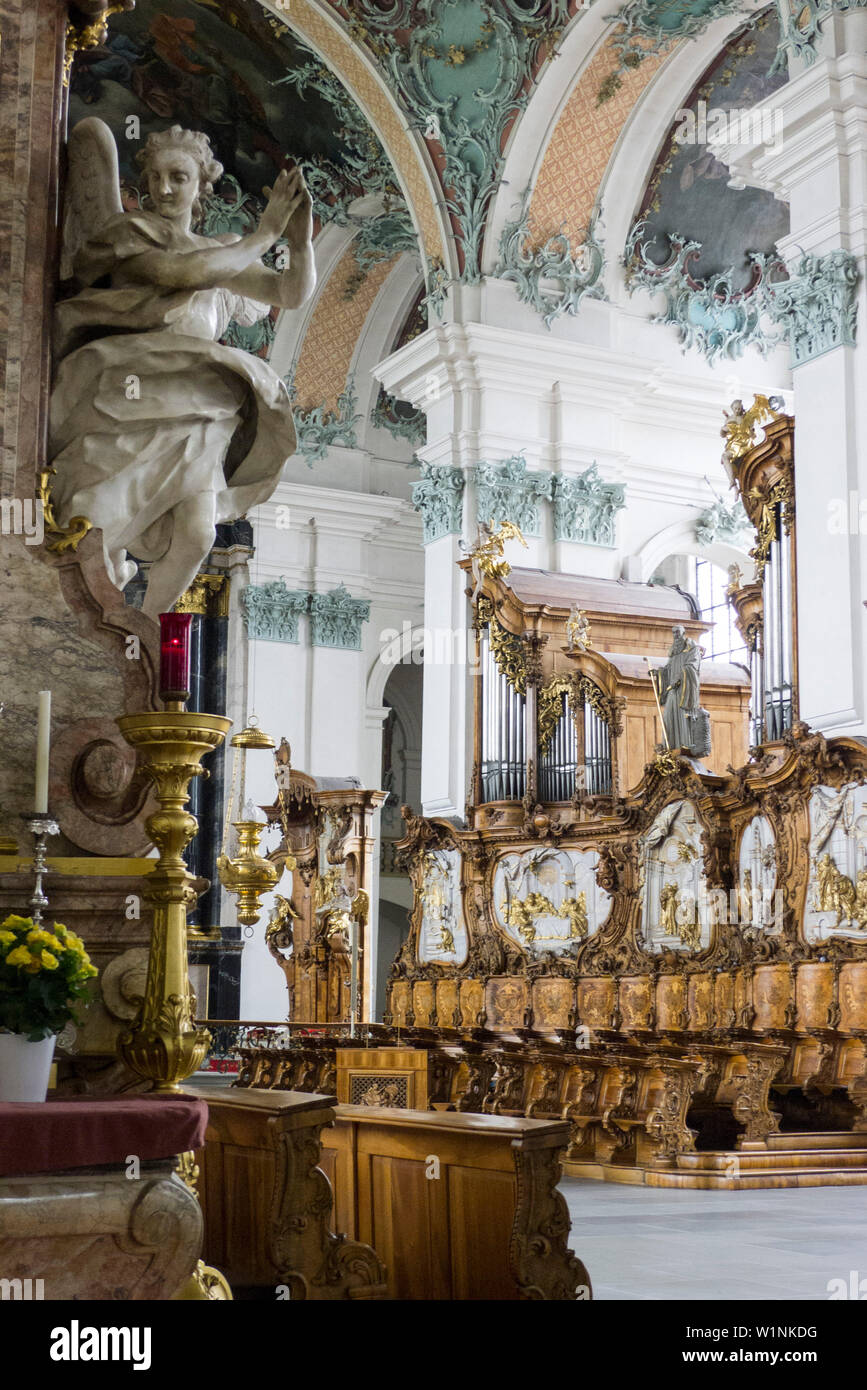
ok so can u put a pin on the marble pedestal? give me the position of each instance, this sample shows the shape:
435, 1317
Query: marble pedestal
97, 1234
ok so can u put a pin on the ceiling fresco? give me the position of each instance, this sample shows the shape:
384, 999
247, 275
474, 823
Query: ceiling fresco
688, 193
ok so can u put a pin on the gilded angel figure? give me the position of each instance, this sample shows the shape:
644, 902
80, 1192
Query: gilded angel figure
157, 431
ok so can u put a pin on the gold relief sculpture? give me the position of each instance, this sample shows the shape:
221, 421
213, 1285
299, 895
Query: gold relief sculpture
766, 525
329, 886
550, 706
575, 910
835, 892
678, 915
669, 903
437, 909
509, 654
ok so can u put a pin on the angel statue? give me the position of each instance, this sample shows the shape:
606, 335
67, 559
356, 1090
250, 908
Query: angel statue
487, 555
578, 629
158, 432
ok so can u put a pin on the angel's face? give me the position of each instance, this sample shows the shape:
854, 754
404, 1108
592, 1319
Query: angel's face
173, 183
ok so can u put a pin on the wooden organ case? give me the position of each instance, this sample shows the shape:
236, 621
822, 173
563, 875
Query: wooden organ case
671, 954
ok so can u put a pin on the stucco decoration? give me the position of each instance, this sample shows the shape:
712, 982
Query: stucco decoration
442, 933
836, 903
757, 875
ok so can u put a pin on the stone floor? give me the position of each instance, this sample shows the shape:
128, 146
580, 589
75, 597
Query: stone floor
652, 1243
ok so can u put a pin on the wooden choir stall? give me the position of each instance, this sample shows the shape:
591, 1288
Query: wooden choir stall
664, 947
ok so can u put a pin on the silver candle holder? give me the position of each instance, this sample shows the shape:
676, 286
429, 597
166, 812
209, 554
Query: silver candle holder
40, 825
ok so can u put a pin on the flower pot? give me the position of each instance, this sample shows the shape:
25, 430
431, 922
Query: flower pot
24, 1067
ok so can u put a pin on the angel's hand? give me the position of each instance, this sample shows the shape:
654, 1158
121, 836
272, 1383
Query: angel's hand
299, 228
284, 200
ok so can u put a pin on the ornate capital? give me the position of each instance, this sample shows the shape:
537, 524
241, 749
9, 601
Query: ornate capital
336, 618
585, 507
208, 595
271, 611
817, 306
508, 491
439, 496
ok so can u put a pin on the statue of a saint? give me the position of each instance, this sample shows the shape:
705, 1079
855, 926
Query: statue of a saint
686, 724
157, 431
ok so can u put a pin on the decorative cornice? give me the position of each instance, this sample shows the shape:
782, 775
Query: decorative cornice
578, 273
439, 497
336, 618
709, 315
818, 305
508, 491
271, 611
585, 507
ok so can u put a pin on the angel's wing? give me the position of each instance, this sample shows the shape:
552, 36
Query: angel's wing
92, 188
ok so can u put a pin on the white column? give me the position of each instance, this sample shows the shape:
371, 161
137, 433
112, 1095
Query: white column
819, 166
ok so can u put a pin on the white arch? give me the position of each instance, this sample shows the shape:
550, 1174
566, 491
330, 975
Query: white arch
679, 539
385, 318
410, 639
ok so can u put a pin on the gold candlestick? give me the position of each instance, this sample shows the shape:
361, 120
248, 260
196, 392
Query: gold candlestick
163, 1045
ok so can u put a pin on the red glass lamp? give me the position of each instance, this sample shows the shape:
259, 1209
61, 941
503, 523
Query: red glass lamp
175, 657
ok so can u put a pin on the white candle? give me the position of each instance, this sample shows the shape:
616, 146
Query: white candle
43, 739
353, 979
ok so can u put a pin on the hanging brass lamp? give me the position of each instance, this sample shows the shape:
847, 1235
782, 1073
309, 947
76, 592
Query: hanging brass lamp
248, 874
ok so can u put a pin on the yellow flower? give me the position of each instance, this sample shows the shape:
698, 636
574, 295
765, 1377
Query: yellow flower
44, 938
61, 931
16, 923
49, 961
20, 956
6, 937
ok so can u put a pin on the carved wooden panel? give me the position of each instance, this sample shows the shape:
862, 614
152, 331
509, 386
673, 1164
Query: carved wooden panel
447, 1000
636, 1001
815, 994
472, 1001
772, 995
724, 1000
699, 1002
401, 994
671, 1002
853, 995
553, 1003
596, 1001
506, 1000
423, 1002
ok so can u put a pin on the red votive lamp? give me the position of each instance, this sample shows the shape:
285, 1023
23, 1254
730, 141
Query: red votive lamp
175, 657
